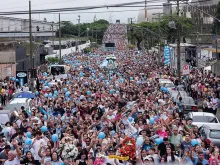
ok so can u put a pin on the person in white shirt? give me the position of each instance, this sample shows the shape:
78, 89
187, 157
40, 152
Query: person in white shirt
37, 143
214, 101
14, 156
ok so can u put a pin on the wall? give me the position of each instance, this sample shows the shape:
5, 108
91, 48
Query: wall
22, 60
16, 27
71, 50
11, 24
216, 68
7, 52
7, 70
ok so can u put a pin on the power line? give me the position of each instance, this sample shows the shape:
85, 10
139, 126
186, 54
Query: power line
71, 9
16, 7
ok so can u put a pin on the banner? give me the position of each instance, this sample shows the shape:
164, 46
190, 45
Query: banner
167, 55
118, 157
185, 69
22, 77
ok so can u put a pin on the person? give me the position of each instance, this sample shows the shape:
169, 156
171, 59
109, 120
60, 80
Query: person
37, 143
14, 156
84, 159
170, 157
200, 158
29, 159
214, 101
45, 156
55, 159
162, 147
3, 95
176, 139
180, 105
4, 154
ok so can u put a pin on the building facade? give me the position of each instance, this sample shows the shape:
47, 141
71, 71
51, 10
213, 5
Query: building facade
11, 27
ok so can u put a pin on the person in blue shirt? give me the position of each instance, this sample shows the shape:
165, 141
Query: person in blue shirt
147, 144
199, 159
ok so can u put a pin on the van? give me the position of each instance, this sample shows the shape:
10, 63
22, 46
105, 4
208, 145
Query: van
58, 69
17, 103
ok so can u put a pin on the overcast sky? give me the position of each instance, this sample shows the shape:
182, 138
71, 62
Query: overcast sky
16, 5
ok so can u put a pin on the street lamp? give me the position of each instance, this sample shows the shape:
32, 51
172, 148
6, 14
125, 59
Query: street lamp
87, 31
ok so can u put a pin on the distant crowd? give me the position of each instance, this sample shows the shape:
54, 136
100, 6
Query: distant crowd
116, 33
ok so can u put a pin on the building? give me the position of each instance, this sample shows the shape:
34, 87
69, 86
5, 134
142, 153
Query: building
7, 60
12, 28
15, 56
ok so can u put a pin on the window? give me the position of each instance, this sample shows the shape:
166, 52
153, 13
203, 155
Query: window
188, 101
205, 119
215, 134
56, 70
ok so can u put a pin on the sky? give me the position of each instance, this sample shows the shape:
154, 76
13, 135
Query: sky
18, 5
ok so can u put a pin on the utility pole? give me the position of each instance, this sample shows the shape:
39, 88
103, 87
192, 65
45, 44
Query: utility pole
178, 42
159, 46
178, 36
197, 49
52, 34
78, 31
131, 22
87, 33
60, 38
145, 10
92, 35
96, 37
31, 49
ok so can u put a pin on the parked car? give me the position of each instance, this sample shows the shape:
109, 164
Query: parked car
211, 132
16, 103
169, 86
5, 116
180, 88
173, 94
189, 105
165, 81
202, 118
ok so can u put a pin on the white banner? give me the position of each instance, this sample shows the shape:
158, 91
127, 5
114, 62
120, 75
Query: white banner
185, 69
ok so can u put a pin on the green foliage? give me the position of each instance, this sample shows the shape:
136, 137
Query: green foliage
87, 50
53, 60
98, 28
216, 25
185, 26
159, 31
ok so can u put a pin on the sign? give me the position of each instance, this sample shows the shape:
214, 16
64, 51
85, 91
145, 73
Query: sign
167, 55
22, 77
185, 69
21, 74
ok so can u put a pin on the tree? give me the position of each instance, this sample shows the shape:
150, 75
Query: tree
183, 24
68, 29
141, 31
156, 32
216, 25
53, 60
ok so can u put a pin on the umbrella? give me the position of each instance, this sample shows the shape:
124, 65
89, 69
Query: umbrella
24, 95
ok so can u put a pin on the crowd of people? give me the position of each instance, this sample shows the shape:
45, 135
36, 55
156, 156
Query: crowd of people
116, 33
111, 117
